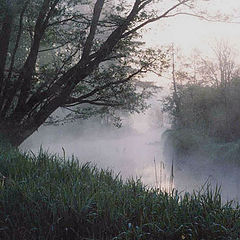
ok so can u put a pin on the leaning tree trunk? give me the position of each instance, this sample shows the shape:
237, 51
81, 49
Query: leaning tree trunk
12, 133
16, 133
20, 125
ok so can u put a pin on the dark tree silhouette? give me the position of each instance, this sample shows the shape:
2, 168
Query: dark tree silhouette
56, 53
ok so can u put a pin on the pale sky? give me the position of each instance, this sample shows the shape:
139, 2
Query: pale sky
189, 32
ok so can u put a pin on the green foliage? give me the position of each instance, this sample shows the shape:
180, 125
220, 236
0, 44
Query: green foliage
214, 111
186, 141
192, 144
61, 47
49, 197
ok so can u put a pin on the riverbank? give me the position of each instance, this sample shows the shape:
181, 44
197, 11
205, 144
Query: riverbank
46, 196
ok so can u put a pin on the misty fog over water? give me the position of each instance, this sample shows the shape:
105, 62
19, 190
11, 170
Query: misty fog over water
131, 150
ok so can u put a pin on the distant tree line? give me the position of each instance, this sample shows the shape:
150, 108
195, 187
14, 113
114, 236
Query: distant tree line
207, 99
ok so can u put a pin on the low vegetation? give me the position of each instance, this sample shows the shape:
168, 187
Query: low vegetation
49, 197
192, 145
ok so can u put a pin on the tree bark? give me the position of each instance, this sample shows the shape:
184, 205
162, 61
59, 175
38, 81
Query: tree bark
5, 35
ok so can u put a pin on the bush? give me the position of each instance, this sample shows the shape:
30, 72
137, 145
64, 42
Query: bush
211, 110
191, 144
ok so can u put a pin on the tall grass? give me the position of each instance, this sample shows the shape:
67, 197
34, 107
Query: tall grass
162, 182
49, 197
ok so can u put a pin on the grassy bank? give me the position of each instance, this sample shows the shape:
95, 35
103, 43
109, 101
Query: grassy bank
47, 197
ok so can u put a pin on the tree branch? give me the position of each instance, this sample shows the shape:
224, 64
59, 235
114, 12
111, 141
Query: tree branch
23, 83
165, 14
17, 40
4, 44
197, 16
71, 19
72, 100
95, 102
88, 44
25, 78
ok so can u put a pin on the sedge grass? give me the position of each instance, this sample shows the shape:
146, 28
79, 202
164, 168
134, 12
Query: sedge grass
49, 197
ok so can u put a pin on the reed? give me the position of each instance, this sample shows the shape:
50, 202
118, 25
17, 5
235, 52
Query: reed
155, 168
166, 184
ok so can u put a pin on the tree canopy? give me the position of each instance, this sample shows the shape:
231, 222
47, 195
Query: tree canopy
89, 53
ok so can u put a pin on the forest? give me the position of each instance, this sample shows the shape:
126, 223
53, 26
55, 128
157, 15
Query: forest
204, 108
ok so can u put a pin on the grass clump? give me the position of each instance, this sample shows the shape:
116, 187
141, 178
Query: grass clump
48, 197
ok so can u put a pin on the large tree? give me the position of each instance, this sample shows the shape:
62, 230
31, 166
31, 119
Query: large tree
56, 53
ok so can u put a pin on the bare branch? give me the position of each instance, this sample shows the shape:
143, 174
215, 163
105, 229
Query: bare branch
198, 16
165, 14
95, 102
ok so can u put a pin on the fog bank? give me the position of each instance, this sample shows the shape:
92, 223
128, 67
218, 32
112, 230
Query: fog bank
131, 150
